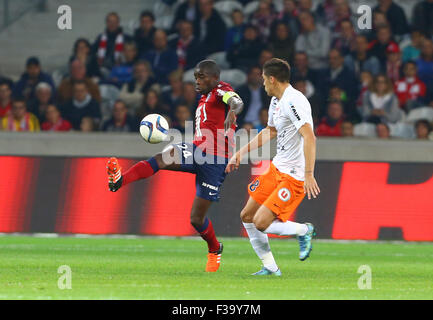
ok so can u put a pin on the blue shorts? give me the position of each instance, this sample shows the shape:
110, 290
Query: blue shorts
209, 170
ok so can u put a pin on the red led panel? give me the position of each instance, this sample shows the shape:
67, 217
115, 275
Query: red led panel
88, 206
170, 201
366, 203
16, 192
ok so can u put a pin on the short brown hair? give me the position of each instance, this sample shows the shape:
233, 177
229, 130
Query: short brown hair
277, 68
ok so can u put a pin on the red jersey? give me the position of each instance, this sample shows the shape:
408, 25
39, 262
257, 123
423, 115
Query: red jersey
209, 123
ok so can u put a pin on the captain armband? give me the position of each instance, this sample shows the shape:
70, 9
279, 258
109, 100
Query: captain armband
230, 94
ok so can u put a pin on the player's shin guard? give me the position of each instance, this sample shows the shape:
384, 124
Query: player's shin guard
140, 170
207, 232
260, 243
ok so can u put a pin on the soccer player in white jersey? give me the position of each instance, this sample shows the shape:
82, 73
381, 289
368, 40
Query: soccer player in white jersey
275, 195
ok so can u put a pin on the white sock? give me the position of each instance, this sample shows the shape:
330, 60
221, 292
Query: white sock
260, 244
287, 228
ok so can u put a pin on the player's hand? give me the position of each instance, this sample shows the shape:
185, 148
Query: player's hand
230, 121
310, 186
234, 162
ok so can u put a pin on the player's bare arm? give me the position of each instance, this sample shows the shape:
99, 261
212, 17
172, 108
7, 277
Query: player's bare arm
310, 185
266, 135
236, 105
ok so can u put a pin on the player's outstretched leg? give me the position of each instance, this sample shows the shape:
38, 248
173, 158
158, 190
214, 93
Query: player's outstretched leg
266, 221
141, 170
259, 240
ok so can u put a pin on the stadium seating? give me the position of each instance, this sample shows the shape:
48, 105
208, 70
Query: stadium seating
109, 94
364, 129
220, 58
234, 76
402, 130
419, 114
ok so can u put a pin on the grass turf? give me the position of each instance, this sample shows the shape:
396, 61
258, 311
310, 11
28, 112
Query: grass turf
173, 268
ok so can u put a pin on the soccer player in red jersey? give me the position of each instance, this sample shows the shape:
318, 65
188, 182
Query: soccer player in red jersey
207, 156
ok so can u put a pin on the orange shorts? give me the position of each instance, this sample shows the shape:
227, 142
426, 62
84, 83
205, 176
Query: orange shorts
277, 191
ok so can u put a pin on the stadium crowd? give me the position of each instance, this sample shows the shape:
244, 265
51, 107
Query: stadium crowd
376, 81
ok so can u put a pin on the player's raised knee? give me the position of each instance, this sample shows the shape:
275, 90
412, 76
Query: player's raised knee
260, 223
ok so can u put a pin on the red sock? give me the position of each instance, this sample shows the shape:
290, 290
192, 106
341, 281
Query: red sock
207, 232
140, 170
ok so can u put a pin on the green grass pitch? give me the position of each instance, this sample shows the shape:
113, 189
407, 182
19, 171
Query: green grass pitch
173, 268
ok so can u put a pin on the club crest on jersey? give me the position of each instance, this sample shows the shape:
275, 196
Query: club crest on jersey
253, 186
284, 194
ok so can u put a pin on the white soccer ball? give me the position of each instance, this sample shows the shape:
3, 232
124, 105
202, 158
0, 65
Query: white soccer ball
154, 128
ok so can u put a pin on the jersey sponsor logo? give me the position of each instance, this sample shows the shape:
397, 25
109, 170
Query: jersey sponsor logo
284, 194
253, 186
207, 185
295, 112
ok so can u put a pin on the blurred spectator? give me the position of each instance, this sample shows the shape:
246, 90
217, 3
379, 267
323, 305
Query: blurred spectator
330, 125
264, 56
425, 63
325, 11
263, 18
422, 17
413, 50
182, 113
289, 16
77, 73
120, 121
190, 96
19, 119
347, 129
188, 11
380, 103
310, 93
162, 58
281, 42
44, 97
87, 124
122, 73
5, 97
395, 15
393, 62
245, 54
132, 93
339, 75
82, 52
360, 59
301, 69
152, 104
345, 40
174, 95
410, 90
54, 121
143, 35
235, 33
254, 97
383, 131
210, 28
81, 105
342, 12
366, 80
188, 49
108, 46
423, 128
378, 47
248, 126
263, 118
314, 40
25, 87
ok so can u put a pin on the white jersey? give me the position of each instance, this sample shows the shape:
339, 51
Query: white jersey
287, 116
